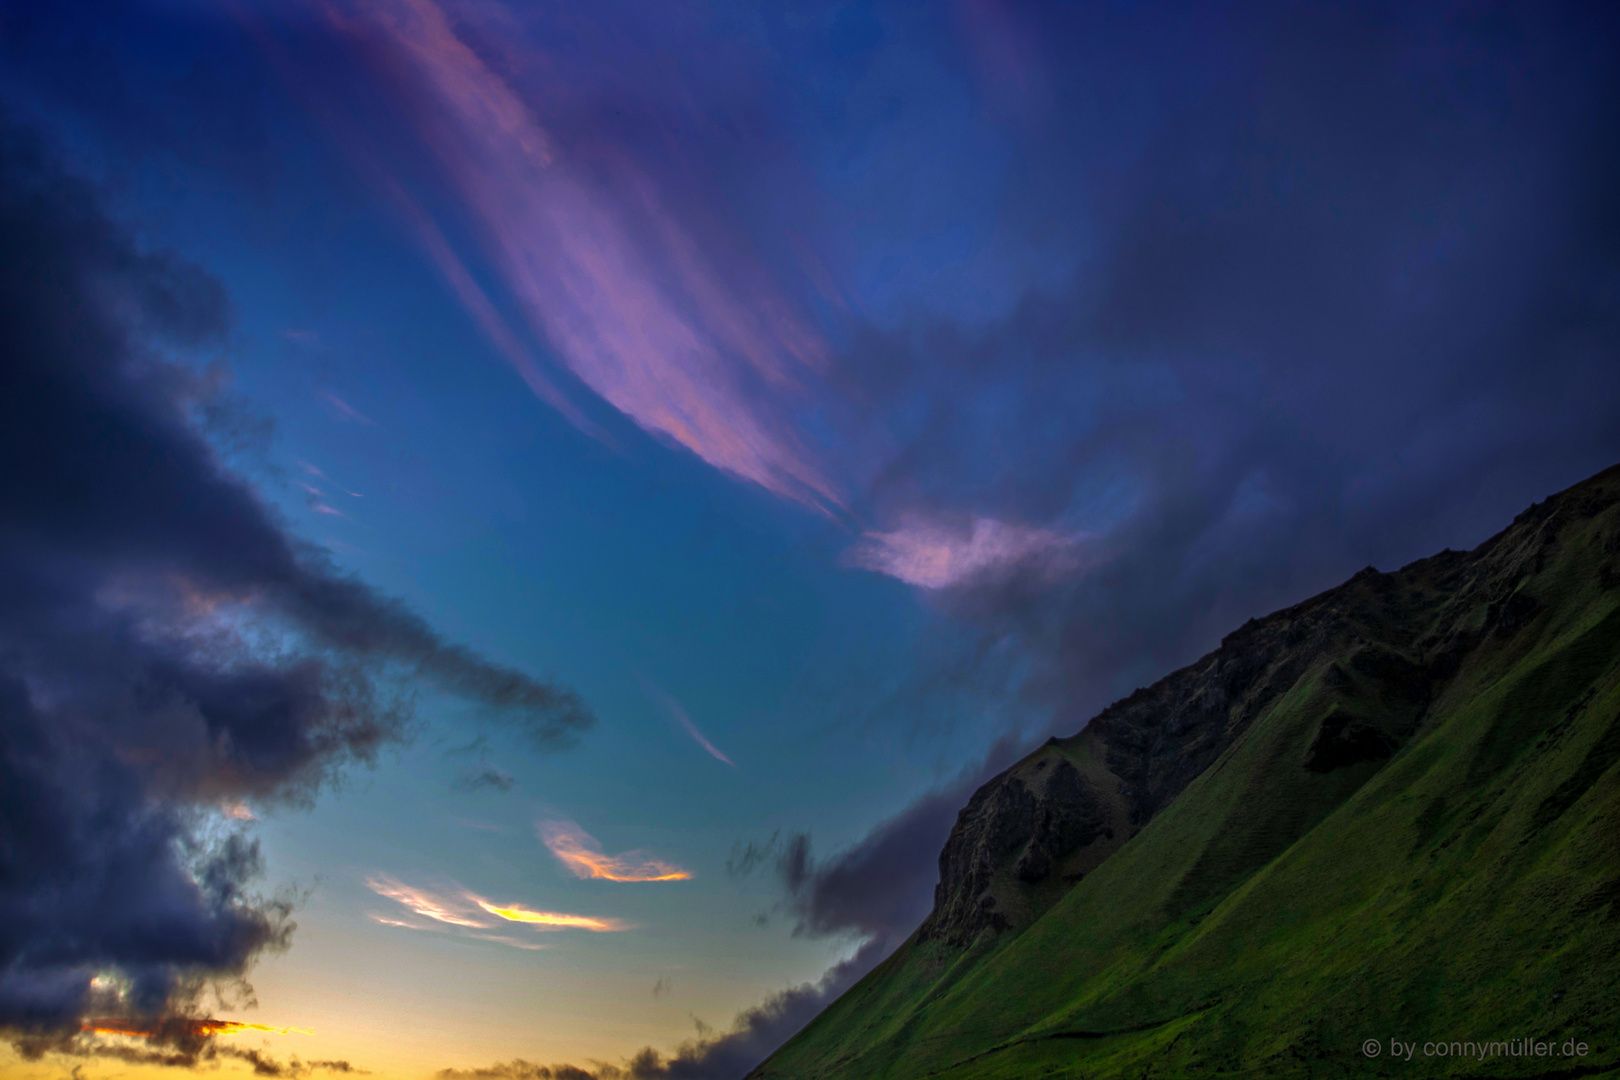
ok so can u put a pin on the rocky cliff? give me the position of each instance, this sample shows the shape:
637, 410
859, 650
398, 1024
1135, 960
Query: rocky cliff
1385, 643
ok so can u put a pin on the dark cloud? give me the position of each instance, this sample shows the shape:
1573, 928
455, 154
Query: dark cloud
875, 893
174, 1042
879, 889
516, 1069
755, 1034
165, 644
1351, 292
1347, 292
1353, 296
487, 776
747, 857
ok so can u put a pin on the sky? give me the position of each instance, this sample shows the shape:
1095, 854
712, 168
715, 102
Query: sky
524, 522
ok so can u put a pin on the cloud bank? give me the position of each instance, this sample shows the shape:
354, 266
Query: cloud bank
166, 646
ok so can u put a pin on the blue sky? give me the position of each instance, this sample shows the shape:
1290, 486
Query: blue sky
838, 398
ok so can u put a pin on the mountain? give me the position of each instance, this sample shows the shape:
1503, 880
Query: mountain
1390, 812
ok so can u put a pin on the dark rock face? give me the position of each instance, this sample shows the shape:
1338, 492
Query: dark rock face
1065, 818
1024, 822
1384, 642
1344, 740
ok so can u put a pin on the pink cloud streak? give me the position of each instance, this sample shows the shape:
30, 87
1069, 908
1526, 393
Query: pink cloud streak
599, 264
678, 714
932, 555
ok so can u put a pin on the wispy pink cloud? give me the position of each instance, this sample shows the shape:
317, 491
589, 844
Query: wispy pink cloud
600, 265
668, 703
346, 409
316, 472
578, 850
482, 310
936, 555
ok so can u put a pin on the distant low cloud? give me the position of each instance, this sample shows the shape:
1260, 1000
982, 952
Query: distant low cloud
173, 1042
516, 1069
582, 855
755, 1033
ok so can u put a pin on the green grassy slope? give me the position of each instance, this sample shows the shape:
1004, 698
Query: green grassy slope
1274, 916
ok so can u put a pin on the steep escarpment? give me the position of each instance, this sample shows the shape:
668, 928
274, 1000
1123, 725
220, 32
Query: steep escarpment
1136, 756
1391, 809
1024, 838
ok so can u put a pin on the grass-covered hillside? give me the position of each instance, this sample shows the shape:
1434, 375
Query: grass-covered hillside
1391, 812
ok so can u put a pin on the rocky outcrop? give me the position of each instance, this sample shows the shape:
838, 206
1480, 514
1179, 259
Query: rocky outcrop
1018, 832
1380, 647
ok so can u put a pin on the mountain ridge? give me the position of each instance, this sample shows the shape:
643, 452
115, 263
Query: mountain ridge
1102, 863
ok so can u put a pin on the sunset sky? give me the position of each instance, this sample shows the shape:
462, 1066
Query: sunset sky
590, 489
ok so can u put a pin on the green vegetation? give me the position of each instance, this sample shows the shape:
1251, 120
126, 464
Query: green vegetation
1419, 839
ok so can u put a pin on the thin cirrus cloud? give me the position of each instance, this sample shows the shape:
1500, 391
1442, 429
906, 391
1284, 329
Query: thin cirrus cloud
672, 329
347, 410
439, 908
668, 703
933, 555
549, 920
469, 911
597, 260
582, 855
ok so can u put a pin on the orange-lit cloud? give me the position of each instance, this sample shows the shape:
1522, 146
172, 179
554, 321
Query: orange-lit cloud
550, 920
429, 905
469, 911
181, 1026
932, 555
237, 811
579, 851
